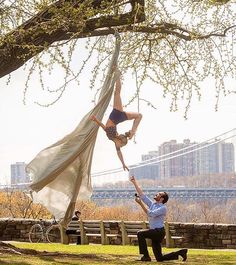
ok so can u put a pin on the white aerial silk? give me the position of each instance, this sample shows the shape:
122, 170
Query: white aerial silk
61, 173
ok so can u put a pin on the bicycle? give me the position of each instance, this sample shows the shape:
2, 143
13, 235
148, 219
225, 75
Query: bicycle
39, 232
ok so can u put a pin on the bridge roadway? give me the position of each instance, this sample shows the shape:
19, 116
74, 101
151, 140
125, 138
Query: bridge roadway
180, 192
194, 193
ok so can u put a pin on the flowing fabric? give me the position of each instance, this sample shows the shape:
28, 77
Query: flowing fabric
61, 173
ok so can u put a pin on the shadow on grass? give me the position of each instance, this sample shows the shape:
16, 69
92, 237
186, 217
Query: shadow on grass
2, 262
73, 259
109, 259
99, 259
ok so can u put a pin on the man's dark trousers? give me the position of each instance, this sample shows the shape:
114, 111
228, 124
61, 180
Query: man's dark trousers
156, 235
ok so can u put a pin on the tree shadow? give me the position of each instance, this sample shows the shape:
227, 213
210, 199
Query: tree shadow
2, 262
88, 258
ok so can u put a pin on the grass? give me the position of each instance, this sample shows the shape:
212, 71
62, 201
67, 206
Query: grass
108, 255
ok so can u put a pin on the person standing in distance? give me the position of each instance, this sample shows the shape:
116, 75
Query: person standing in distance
156, 213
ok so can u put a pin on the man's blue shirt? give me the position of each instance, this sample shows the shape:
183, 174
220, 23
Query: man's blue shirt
156, 212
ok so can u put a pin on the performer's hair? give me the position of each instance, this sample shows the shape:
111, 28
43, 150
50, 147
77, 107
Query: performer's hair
123, 138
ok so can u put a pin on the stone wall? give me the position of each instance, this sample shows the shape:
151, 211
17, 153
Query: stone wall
17, 229
194, 235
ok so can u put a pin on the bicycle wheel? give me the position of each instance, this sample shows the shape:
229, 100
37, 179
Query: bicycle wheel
53, 234
35, 233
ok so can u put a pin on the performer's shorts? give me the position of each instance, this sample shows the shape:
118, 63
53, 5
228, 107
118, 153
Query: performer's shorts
118, 116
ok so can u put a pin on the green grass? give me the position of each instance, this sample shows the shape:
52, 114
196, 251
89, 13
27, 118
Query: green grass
108, 255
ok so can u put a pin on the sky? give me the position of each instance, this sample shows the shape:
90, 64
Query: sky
27, 129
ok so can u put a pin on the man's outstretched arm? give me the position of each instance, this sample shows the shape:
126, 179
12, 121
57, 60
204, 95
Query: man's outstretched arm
138, 189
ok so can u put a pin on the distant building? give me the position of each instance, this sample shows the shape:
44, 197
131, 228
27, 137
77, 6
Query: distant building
217, 158
18, 174
177, 159
150, 171
187, 159
228, 158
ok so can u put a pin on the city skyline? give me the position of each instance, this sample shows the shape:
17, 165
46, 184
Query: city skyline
174, 159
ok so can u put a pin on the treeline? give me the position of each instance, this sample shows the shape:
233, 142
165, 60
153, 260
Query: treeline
15, 204
201, 211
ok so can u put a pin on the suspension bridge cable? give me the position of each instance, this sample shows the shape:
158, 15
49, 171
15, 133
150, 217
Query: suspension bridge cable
154, 160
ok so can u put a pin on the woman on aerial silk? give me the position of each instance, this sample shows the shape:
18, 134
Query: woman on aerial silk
61, 173
117, 116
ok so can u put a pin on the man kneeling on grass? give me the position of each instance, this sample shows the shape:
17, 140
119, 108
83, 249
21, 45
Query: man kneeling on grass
156, 213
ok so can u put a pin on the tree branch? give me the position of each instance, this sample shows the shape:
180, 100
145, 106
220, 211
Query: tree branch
38, 33
162, 28
170, 29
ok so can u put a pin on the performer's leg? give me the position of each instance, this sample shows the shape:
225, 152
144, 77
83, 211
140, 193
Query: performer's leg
137, 118
117, 104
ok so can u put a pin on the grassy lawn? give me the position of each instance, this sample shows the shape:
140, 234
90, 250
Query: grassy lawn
107, 255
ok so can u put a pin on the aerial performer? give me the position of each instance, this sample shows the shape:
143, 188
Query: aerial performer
118, 115
61, 173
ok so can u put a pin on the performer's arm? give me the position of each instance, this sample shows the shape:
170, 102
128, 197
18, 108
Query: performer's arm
121, 159
93, 118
